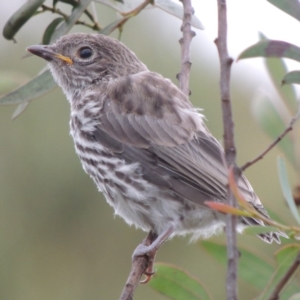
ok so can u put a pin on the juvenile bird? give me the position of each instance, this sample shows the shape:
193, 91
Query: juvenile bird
142, 141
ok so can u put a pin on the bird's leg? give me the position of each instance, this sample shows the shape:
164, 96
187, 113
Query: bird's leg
150, 251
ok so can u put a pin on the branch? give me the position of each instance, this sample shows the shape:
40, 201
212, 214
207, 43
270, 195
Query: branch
138, 267
55, 10
272, 145
284, 280
229, 145
185, 43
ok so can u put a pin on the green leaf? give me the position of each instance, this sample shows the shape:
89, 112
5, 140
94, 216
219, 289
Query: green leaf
40, 85
270, 48
50, 30
291, 77
272, 119
112, 26
20, 17
285, 187
252, 269
277, 69
176, 10
291, 7
259, 229
176, 284
75, 3
284, 258
20, 108
65, 27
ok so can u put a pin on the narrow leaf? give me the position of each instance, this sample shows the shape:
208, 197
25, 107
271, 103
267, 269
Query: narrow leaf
20, 108
176, 284
285, 187
38, 86
112, 26
65, 27
176, 10
50, 30
20, 17
277, 69
271, 48
291, 77
291, 7
75, 3
254, 230
226, 209
252, 268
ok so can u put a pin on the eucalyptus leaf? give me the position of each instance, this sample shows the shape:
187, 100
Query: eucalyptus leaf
277, 69
253, 269
176, 9
20, 17
112, 26
285, 187
38, 86
176, 284
291, 77
50, 30
75, 3
291, 7
272, 48
20, 109
66, 26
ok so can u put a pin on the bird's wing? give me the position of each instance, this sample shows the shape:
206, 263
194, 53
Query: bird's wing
145, 118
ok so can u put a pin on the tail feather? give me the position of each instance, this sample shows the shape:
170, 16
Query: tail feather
268, 237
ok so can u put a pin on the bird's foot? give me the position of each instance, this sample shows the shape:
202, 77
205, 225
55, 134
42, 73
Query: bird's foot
150, 252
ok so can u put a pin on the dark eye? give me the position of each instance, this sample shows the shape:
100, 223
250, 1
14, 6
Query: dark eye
85, 52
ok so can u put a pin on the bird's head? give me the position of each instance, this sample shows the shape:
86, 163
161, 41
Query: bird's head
80, 60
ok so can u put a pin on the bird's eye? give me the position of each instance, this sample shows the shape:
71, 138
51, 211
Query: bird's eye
85, 52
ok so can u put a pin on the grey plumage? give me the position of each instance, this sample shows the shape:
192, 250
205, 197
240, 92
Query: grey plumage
141, 140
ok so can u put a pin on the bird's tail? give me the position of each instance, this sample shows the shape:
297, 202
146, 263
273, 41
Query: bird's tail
268, 237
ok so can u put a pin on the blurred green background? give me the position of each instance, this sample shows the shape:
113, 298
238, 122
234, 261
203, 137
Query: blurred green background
59, 239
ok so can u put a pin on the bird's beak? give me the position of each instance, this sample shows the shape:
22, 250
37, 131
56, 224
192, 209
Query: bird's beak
46, 53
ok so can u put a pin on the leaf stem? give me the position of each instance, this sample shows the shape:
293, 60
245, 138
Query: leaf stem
272, 145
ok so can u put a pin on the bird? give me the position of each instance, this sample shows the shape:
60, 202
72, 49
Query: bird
142, 141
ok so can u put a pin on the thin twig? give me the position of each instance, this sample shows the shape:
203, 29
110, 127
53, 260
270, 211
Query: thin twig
138, 267
136, 10
284, 280
55, 10
272, 145
185, 43
229, 145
